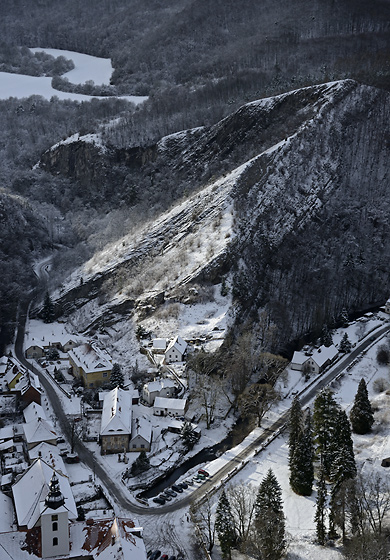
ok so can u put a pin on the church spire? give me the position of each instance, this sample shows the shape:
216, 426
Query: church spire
54, 499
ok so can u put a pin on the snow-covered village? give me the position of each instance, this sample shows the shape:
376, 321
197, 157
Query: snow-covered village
195, 297
97, 455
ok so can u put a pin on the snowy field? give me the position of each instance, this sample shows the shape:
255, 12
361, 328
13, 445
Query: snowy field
86, 68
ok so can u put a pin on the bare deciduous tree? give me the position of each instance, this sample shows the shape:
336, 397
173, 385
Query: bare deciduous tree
202, 515
257, 400
373, 498
242, 498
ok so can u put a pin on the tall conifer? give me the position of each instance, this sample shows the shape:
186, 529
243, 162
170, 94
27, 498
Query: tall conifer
269, 522
224, 525
301, 464
361, 415
320, 515
324, 425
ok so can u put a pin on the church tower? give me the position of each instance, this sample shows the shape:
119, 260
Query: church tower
54, 522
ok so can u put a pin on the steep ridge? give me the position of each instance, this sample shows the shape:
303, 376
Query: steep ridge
320, 172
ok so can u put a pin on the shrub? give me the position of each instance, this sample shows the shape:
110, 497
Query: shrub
383, 355
380, 385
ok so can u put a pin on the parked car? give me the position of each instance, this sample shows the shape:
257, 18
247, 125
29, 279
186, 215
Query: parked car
184, 485
170, 492
202, 471
173, 557
164, 557
159, 500
177, 488
156, 554
72, 459
165, 496
201, 476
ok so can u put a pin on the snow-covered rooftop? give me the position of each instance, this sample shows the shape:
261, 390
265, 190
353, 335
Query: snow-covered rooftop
91, 358
33, 411
159, 343
50, 454
178, 343
173, 404
39, 430
154, 386
324, 353
141, 427
117, 413
31, 490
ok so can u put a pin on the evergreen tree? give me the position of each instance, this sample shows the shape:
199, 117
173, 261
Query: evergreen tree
295, 425
117, 379
188, 435
269, 524
361, 415
320, 515
343, 458
141, 464
345, 344
301, 463
224, 525
343, 318
324, 426
326, 337
48, 309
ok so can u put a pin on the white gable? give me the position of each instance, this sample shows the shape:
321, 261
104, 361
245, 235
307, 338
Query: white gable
31, 490
117, 412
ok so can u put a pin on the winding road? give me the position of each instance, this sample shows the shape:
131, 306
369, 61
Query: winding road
116, 491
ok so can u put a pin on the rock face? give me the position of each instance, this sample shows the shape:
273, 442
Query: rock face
289, 197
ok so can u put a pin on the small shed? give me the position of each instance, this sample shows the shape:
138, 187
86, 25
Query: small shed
169, 407
385, 462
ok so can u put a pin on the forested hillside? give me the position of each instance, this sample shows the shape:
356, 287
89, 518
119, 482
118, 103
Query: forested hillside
200, 63
198, 60
307, 175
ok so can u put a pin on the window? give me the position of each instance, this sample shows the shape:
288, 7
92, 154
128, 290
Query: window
54, 517
142, 446
55, 541
104, 374
134, 446
55, 526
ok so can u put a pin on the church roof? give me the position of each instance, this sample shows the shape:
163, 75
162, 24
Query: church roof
31, 489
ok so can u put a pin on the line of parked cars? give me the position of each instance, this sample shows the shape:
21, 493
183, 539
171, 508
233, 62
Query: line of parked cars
175, 489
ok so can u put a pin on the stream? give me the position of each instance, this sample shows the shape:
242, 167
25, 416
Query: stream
236, 435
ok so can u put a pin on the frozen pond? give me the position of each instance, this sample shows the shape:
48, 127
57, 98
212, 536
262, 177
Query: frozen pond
86, 68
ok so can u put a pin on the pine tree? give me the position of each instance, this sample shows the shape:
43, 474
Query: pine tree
324, 426
326, 337
188, 435
343, 318
295, 425
301, 464
320, 515
224, 525
361, 415
48, 309
343, 458
345, 344
269, 524
117, 379
141, 464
